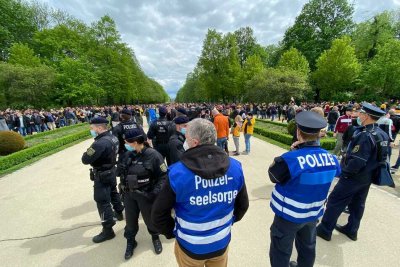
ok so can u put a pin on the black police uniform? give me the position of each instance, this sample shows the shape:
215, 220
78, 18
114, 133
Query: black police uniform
175, 147
101, 155
160, 132
143, 179
121, 129
359, 168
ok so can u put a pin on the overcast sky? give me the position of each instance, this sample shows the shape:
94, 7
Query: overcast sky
167, 35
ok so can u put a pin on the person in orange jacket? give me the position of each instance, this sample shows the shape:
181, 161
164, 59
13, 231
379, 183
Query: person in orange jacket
236, 128
221, 124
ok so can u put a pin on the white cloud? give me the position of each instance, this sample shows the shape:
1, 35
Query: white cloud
167, 35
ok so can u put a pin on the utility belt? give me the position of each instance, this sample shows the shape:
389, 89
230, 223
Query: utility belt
104, 176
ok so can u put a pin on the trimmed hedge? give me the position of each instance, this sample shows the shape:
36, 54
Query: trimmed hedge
33, 136
286, 139
32, 152
284, 124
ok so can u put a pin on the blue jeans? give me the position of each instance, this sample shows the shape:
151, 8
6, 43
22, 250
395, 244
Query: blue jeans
22, 131
331, 127
247, 141
221, 142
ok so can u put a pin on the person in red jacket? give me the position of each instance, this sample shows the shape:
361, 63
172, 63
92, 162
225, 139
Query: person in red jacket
341, 126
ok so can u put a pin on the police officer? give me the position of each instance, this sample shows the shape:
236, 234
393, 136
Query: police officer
127, 123
359, 168
101, 155
177, 139
160, 132
143, 179
303, 177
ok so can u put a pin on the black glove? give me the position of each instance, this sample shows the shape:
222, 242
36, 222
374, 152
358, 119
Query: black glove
170, 236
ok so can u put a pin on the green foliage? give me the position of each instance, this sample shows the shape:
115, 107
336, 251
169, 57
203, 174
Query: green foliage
10, 142
337, 69
292, 59
20, 85
382, 74
23, 55
77, 64
38, 150
286, 139
276, 85
319, 23
291, 127
370, 35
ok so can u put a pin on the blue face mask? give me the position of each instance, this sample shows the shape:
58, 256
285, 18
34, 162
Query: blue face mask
128, 147
359, 121
183, 131
93, 133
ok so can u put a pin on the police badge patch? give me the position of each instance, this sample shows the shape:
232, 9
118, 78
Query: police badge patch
163, 167
90, 152
356, 149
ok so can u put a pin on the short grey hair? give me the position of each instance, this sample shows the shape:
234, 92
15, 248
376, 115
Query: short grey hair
202, 130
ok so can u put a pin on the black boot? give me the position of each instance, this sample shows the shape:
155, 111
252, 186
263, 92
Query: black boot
157, 244
106, 234
119, 215
131, 244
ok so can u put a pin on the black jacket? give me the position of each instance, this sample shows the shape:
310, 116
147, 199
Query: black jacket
207, 161
175, 147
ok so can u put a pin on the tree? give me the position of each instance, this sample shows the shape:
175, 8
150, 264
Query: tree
17, 24
292, 59
277, 85
246, 43
369, 35
23, 55
337, 69
382, 75
319, 23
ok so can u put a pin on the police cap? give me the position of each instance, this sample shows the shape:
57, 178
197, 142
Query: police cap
372, 110
182, 110
162, 111
181, 120
99, 120
126, 112
133, 134
310, 122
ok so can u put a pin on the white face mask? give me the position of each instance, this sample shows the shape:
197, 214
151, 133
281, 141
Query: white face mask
185, 145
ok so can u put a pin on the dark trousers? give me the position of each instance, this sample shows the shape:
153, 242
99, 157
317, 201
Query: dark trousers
135, 204
163, 150
347, 192
283, 234
107, 198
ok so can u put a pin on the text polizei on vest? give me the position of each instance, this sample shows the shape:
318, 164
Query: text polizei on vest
210, 197
319, 160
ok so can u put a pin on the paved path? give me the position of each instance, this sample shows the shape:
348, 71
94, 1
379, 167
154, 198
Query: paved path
55, 195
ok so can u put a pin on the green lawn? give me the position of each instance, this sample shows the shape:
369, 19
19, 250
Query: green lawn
52, 135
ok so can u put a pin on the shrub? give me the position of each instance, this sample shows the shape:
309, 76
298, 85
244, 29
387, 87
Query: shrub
32, 152
291, 127
10, 142
326, 143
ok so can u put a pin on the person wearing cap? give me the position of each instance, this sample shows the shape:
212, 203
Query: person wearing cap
359, 168
177, 140
144, 176
302, 177
207, 190
341, 125
126, 123
159, 133
102, 156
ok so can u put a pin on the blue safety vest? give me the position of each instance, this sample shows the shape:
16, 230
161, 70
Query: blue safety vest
302, 198
204, 207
